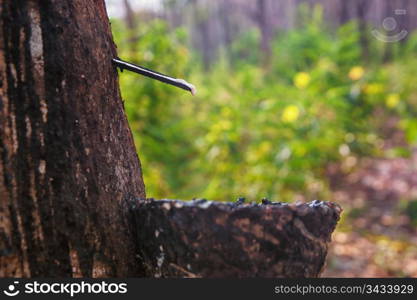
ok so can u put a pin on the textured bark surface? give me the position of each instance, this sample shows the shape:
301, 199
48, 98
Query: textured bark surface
67, 158
213, 239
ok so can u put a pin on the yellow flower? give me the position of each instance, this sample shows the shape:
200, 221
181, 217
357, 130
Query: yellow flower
373, 88
356, 73
265, 147
392, 100
301, 80
225, 125
290, 114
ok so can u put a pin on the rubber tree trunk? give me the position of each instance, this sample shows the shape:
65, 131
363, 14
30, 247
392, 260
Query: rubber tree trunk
67, 158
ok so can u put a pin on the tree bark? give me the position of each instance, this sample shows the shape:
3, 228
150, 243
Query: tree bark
67, 157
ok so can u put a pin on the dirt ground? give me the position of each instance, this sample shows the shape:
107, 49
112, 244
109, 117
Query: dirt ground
377, 236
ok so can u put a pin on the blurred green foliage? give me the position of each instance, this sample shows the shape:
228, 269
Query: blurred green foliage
258, 131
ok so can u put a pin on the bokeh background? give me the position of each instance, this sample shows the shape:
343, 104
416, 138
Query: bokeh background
297, 100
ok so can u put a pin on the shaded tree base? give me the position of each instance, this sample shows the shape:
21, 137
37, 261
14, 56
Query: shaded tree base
208, 239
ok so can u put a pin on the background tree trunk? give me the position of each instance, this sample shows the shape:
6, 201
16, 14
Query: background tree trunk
361, 10
262, 18
67, 158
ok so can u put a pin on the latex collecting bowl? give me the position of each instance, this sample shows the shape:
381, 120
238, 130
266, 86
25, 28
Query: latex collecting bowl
210, 239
